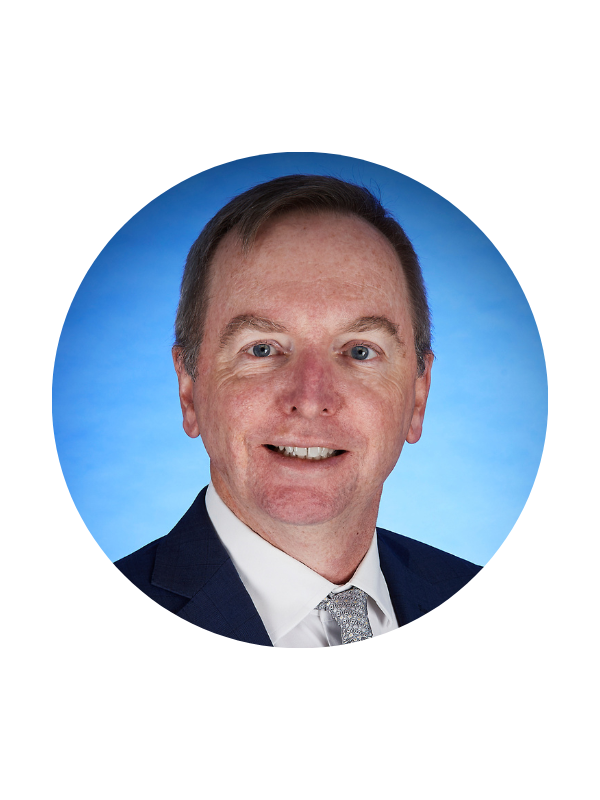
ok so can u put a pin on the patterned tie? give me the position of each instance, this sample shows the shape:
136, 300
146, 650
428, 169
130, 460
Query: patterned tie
349, 610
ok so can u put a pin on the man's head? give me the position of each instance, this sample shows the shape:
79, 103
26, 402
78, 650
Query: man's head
247, 214
304, 338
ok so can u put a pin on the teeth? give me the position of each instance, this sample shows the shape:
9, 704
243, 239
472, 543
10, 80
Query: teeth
314, 453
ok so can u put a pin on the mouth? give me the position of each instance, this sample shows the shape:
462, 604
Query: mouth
308, 453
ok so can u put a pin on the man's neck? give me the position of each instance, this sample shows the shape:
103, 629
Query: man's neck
333, 549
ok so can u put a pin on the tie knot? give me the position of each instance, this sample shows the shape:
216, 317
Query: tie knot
349, 610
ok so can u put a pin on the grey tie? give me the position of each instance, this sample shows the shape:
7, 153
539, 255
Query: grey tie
349, 610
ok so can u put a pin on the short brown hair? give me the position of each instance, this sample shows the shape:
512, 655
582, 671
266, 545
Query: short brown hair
250, 210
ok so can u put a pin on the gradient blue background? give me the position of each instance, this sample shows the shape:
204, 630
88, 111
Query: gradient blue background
131, 470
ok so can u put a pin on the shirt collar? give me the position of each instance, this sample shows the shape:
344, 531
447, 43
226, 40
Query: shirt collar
283, 589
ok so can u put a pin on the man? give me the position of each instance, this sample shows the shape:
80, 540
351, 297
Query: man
304, 362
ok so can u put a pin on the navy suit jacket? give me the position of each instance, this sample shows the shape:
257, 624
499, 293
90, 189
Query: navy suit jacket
189, 572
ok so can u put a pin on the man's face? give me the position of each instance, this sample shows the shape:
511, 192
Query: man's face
308, 344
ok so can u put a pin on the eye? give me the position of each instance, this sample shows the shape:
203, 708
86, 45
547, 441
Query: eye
361, 352
265, 350
261, 350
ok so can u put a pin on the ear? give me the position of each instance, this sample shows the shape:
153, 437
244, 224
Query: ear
186, 395
422, 384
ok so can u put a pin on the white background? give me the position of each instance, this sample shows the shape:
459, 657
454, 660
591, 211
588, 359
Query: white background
107, 695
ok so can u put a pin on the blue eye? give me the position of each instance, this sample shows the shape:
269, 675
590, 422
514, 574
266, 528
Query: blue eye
261, 350
360, 352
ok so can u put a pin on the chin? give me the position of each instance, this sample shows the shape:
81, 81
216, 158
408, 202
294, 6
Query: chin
302, 506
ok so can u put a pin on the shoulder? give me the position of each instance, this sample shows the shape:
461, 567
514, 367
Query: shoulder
447, 572
160, 568
139, 566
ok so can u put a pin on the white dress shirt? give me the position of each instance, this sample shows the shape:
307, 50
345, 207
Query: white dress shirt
286, 592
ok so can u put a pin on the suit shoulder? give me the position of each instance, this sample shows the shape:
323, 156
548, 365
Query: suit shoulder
445, 570
140, 562
138, 568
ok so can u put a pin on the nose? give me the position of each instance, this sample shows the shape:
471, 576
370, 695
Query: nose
310, 390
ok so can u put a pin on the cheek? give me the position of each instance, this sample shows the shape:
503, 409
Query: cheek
386, 419
229, 410
390, 403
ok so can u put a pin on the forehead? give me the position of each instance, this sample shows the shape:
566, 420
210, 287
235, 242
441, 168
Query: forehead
325, 259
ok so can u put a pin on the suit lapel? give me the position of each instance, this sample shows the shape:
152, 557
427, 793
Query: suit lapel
192, 562
411, 595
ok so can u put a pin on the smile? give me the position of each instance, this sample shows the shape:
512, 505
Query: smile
310, 453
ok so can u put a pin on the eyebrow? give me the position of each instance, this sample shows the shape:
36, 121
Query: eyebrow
249, 322
255, 323
363, 324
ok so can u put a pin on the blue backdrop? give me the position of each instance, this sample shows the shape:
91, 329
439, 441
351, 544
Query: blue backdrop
132, 471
